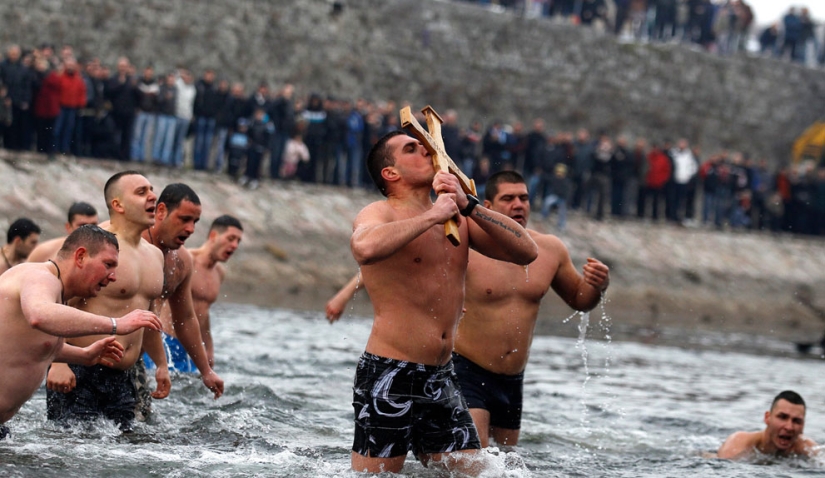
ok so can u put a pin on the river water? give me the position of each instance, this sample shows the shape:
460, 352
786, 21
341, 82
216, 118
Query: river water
592, 408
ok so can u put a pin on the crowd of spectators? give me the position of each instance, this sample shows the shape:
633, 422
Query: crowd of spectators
720, 26
53, 104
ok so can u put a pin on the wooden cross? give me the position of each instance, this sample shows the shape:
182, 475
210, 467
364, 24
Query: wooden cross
434, 144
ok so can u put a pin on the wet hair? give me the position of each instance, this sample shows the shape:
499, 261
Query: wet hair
107, 189
789, 396
174, 194
224, 222
81, 208
22, 228
506, 177
90, 236
379, 158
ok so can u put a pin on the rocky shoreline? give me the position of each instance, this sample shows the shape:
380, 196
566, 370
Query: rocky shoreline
668, 283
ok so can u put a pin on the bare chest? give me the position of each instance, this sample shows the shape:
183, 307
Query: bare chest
137, 275
489, 280
206, 285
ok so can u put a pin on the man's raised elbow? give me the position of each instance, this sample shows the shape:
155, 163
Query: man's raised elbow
36, 321
363, 255
528, 255
365, 252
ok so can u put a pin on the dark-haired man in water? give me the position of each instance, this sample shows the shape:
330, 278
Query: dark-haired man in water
80, 213
225, 235
178, 210
782, 436
405, 396
21, 239
502, 302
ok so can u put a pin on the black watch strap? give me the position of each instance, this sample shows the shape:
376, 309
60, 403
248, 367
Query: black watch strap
472, 205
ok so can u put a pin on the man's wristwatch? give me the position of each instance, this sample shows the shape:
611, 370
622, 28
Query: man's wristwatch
472, 205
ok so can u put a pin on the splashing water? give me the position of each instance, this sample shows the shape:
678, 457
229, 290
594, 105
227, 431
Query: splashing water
580, 344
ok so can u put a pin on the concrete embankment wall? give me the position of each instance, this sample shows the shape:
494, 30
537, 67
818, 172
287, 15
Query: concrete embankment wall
448, 54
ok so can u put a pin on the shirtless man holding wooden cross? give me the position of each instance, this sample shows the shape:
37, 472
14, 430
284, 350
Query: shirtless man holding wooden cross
405, 397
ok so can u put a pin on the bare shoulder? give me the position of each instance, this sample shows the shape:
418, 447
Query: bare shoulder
30, 276
149, 251
185, 256
28, 271
197, 253
738, 444
548, 243
46, 250
377, 212
807, 447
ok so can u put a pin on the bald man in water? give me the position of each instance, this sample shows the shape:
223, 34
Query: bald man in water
34, 318
89, 392
782, 436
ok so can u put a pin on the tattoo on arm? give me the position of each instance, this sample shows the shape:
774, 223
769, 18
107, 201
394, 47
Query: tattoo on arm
484, 217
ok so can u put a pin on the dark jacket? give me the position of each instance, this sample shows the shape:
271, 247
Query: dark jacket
123, 95
166, 100
208, 100
18, 79
148, 95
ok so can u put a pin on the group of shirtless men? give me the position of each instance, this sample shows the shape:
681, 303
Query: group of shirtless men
84, 307
443, 368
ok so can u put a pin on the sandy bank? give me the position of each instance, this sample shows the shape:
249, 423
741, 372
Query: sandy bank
295, 253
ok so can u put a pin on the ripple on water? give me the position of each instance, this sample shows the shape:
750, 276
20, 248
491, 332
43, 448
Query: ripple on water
650, 410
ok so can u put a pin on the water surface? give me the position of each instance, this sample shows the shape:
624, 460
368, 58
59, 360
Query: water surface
592, 408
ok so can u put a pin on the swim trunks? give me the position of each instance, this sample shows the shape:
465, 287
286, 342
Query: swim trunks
499, 394
140, 380
402, 406
100, 392
4, 431
176, 357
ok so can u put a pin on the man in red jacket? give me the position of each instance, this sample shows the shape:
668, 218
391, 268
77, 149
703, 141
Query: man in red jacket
72, 98
46, 105
658, 174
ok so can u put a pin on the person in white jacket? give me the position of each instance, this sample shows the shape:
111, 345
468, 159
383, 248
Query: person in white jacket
685, 167
184, 106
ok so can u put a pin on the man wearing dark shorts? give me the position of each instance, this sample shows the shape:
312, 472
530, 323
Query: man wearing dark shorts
502, 304
409, 407
130, 200
108, 393
405, 396
498, 393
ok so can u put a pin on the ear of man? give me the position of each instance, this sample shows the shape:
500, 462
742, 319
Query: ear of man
80, 256
390, 174
161, 212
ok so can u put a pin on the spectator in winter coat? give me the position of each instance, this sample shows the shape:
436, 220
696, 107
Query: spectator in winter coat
148, 90
658, 175
46, 106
